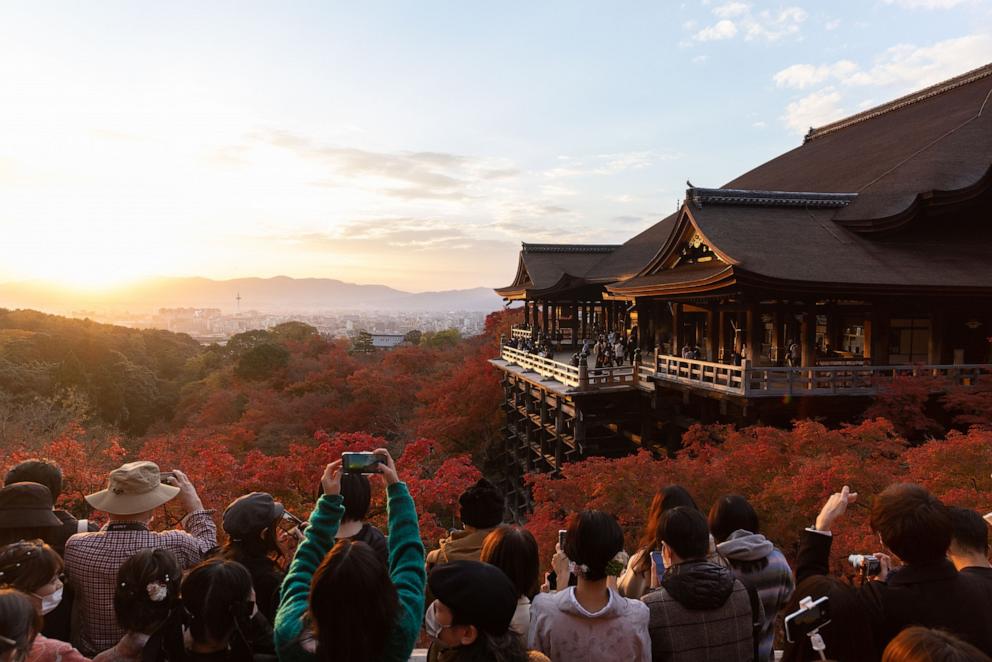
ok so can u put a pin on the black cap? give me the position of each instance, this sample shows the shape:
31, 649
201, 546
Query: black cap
250, 514
477, 594
482, 505
26, 505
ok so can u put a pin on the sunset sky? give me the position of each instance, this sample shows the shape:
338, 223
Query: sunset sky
413, 144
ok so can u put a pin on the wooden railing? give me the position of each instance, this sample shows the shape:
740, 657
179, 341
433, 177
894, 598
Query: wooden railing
580, 377
751, 381
700, 374
524, 334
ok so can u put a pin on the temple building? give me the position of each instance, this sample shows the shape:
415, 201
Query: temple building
800, 287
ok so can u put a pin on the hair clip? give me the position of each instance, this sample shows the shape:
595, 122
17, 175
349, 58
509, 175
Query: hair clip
8, 641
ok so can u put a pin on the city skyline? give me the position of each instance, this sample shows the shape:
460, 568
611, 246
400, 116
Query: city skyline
414, 146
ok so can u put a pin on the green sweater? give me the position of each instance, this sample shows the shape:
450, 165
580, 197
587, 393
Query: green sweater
406, 569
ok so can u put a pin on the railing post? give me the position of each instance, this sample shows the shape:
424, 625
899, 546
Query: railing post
636, 365
746, 376
583, 374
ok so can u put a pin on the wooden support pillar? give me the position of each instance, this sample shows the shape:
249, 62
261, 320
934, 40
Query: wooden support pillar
545, 314
677, 329
575, 323
809, 337
753, 332
877, 335
526, 312
712, 349
778, 349
721, 335
582, 319
935, 353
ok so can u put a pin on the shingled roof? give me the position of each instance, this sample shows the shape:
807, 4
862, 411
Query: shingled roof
870, 203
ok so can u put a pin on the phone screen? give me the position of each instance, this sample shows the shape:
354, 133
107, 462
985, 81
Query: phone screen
800, 623
358, 462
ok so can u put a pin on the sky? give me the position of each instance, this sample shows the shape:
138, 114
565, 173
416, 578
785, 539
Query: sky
413, 144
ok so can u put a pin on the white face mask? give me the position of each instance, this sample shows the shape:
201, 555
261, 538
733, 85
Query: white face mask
432, 627
50, 602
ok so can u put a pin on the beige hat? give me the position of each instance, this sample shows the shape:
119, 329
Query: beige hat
135, 487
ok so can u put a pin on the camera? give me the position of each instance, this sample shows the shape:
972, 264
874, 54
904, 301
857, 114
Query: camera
868, 565
360, 463
810, 617
561, 538
292, 524
164, 476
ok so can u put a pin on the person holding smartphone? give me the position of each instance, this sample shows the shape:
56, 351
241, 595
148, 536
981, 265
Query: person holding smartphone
339, 601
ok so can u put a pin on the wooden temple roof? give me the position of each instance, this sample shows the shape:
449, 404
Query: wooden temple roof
893, 200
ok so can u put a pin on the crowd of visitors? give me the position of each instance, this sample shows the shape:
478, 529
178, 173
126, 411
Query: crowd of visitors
604, 349
699, 586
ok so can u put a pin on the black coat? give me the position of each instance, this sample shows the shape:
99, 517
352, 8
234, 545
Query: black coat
933, 595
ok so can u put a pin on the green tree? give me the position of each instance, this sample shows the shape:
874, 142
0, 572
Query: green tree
362, 343
413, 337
262, 361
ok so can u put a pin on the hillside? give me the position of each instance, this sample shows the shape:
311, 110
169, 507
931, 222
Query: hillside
278, 294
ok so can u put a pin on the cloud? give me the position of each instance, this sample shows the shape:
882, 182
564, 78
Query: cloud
816, 109
925, 4
738, 18
895, 71
731, 9
832, 25
607, 164
724, 29
407, 175
760, 124
801, 76
909, 67
626, 220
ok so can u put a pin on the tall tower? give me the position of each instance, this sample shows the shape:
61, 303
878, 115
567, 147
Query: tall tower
237, 303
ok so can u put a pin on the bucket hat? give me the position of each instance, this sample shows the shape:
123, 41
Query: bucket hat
133, 488
26, 505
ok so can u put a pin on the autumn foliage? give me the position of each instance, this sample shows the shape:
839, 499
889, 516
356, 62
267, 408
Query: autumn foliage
270, 409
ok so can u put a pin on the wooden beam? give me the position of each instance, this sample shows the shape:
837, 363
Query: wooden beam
753, 332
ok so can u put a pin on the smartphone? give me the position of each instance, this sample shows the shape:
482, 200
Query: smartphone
812, 616
561, 539
359, 463
290, 523
658, 563
291, 518
164, 476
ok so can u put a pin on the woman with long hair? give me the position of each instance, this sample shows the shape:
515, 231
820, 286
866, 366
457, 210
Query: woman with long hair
339, 601
637, 579
513, 550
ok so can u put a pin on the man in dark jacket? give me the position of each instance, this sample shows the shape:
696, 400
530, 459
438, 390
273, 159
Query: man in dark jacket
916, 527
701, 611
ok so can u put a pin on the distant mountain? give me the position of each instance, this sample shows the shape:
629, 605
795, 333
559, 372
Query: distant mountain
279, 294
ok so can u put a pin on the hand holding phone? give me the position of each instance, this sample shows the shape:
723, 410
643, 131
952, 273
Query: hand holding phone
360, 463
